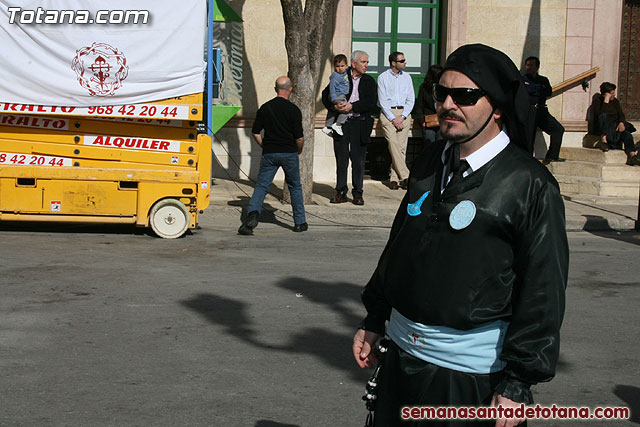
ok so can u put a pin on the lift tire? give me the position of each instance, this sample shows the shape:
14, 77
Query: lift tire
169, 218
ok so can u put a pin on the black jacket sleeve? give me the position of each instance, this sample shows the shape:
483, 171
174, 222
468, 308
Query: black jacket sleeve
546, 89
532, 341
619, 112
418, 109
326, 99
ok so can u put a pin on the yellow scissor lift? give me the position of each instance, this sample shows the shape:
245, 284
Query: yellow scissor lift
142, 164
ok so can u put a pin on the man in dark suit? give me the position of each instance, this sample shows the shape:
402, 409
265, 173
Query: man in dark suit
361, 100
539, 90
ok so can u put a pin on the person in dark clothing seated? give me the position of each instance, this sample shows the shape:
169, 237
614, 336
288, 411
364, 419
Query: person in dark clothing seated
611, 124
425, 106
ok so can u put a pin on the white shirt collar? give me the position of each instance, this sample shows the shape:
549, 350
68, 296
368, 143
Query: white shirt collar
484, 154
400, 72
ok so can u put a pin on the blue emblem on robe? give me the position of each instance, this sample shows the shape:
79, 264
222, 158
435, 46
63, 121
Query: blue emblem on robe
462, 215
413, 209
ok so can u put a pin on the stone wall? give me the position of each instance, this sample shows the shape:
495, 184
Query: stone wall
523, 28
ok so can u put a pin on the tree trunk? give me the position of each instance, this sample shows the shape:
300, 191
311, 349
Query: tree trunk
306, 40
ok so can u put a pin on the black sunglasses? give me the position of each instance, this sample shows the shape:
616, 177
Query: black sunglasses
459, 95
399, 60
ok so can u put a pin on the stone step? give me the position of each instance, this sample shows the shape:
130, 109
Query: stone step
572, 185
590, 186
593, 155
582, 154
576, 168
620, 173
619, 189
602, 200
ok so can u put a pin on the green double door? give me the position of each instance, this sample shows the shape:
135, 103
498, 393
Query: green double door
409, 26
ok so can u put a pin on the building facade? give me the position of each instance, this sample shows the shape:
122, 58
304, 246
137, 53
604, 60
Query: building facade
569, 36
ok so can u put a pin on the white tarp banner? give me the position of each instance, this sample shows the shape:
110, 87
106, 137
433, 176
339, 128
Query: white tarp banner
45, 60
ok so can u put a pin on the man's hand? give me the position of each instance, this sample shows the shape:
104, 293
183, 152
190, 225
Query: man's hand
607, 97
344, 107
363, 343
498, 400
620, 127
398, 122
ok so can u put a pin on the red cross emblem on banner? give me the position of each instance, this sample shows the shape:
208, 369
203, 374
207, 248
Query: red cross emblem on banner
101, 68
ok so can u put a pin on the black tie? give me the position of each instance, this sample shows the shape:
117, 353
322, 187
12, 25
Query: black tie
457, 173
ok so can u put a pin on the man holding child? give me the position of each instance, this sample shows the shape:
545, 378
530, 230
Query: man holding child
361, 99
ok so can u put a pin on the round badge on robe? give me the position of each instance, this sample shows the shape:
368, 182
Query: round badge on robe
462, 215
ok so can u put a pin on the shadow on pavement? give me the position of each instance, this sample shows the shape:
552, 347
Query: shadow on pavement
631, 395
325, 190
269, 423
66, 227
267, 215
596, 222
632, 237
331, 347
563, 365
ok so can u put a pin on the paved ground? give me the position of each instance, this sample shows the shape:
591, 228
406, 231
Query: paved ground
380, 202
107, 326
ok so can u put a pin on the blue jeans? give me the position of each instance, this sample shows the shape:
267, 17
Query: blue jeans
269, 164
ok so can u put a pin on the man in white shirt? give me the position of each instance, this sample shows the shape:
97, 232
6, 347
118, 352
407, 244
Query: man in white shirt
396, 98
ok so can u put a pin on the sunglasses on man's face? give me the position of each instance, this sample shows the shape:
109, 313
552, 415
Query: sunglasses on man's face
400, 60
459, 95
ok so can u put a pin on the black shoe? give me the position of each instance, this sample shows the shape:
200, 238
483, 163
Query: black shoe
358, 200
404, 184
551, 159
299, 228
339, 198
393, 185
633, 161
251, 221
245, 231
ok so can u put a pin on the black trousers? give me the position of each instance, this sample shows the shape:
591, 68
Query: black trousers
407, 381
614, 138
548, 124
347, 148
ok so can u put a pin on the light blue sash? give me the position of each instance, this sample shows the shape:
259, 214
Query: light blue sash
475, 351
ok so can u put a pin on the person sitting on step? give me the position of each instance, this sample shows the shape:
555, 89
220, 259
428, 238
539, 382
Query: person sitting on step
612, 125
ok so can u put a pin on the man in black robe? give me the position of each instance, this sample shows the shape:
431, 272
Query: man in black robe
473, 276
